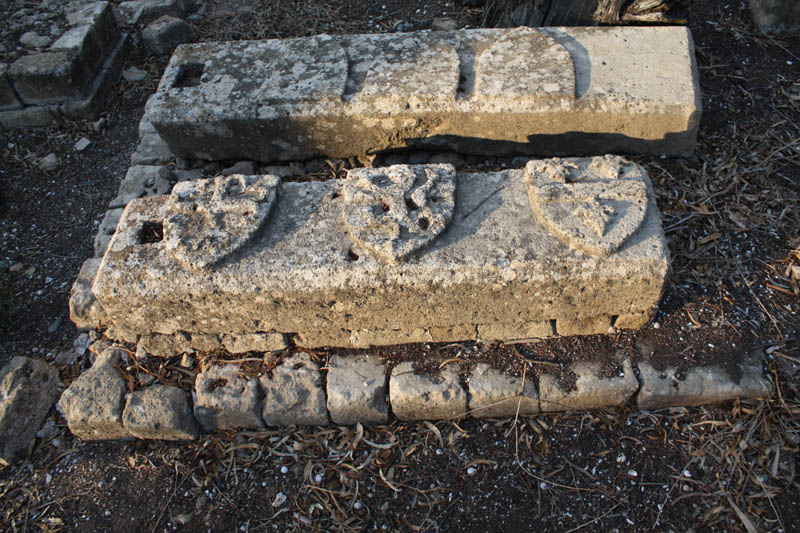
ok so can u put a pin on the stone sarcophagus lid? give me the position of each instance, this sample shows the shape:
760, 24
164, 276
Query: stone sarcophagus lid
406, 253
548, 91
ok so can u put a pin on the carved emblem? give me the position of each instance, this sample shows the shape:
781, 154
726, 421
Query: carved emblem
210, 219
592, 204
392, 212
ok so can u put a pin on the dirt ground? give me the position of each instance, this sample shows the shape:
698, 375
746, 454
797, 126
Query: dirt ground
732, 217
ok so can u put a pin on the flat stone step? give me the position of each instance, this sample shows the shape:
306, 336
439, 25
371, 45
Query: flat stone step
548, 91
407, 253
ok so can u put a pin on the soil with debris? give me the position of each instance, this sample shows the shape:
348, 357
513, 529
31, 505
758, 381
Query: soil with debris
731, 216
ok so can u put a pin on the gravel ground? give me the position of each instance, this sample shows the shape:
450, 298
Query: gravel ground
731, 217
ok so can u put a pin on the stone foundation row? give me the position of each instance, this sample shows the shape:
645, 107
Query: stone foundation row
72, 78
99, 405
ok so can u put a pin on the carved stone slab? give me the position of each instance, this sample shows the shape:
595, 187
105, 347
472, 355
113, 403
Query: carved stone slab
546, 91
391, 212
210, 219
330, 270
593, 205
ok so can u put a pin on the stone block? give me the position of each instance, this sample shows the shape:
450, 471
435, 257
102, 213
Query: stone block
426, 396
776, 15
700, 385
164, 34
495, 394
8, 98
49, 77
84, 309
225, 399
106, 229
446, 255
357, 390
29, 117
255, 342
592, 390
551, 91
294, 394
93, 404
141, 12
144, 180
28, 389
160, 412
178, 343
152, 150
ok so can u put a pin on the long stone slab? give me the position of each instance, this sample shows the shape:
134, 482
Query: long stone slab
553, 91
389, 255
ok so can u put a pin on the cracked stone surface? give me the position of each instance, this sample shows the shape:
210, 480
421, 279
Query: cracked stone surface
423, 396
554, 91
357, 390
84, 309
225, 399
93, 404
294, 393
493, 393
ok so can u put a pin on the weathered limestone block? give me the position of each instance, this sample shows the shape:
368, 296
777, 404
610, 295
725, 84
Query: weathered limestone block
178, 343
160, 412
226, 400
270, 341
592, 389
84, 309
28, 389
144, 180
49, 77
700, 385
105, 231
357, 390
423, 396
164, 34
140, 12
496, 270
8, 98
93, 403
93, 35
294, 394
521, 90
495, 394
152, 150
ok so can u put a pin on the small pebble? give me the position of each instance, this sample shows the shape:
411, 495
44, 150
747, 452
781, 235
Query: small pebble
284, 469
318, 478
82, 144
471, 470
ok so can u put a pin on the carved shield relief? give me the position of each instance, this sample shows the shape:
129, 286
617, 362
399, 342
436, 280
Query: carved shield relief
210, 219
394, 211
591, 204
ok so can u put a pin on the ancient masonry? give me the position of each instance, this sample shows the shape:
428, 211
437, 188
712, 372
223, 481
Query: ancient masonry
71, 77
247, 262
554, 91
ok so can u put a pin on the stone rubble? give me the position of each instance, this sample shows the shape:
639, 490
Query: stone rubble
70, 77
293, 393
160, 412
225, 399
28, 389
423, 396
357, 390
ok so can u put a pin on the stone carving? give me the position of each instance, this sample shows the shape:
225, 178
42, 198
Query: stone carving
207, 220
593, 205
522, 63
392, 212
